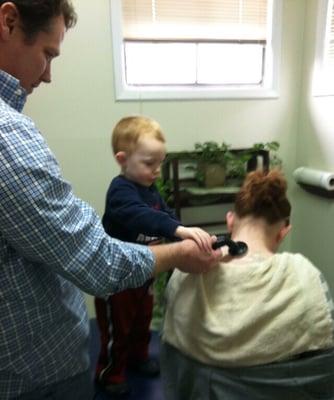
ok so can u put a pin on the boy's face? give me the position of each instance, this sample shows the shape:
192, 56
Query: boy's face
143, 165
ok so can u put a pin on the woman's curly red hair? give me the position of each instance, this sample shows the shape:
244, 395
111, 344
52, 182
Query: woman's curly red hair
263, 195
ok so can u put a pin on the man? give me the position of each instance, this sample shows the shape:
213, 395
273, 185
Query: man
52, 243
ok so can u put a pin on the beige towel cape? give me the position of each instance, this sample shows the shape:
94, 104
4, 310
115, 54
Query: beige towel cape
249, 313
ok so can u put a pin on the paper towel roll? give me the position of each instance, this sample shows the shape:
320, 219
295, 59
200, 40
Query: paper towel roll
314, 177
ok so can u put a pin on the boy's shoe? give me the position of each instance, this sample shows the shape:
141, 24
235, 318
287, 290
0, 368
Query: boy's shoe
99, 368
149, 368
117, 389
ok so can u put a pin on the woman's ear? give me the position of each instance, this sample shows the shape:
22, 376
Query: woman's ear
230, 216
283, 232
121, 158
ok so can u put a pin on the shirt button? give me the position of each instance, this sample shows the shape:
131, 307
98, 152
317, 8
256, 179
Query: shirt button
18, 92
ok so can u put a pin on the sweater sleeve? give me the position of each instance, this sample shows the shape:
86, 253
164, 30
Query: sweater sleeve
125, 205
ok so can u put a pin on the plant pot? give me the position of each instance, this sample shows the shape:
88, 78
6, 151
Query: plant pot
213, 174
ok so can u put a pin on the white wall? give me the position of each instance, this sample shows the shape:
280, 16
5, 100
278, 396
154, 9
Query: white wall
78, 110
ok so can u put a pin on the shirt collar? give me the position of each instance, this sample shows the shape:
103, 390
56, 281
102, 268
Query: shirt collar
11, 91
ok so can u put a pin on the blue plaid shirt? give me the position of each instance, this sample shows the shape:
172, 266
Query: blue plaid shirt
51, 244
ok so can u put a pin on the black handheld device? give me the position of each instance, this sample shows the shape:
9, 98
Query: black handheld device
234, 248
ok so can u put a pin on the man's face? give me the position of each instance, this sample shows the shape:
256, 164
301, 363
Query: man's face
30, 61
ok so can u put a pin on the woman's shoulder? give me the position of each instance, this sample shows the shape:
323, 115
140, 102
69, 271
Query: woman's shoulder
297, 264
293, 259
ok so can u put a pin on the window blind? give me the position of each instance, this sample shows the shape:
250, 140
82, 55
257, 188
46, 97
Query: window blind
195, 20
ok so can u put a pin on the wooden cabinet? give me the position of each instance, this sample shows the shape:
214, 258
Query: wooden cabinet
199, 206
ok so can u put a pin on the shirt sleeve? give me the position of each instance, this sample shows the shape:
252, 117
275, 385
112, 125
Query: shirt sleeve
125, 204
44, 223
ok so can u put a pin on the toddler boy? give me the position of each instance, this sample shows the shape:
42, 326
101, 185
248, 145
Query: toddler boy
135, 212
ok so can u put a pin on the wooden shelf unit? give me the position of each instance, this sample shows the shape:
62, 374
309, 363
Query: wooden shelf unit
185, 191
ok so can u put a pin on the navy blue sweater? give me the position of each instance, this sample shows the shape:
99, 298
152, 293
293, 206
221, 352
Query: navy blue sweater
136, 213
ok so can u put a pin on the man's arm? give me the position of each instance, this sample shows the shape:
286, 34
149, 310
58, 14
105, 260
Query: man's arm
45, 226
184, 255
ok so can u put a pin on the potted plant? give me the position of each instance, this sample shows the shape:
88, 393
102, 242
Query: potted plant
164, 188
212, 161
217, 163
160, 282
236, 168
272, 147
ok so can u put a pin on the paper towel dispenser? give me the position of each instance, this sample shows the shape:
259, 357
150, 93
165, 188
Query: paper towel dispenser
315, 181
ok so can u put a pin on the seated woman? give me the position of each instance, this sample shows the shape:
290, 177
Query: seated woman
259, 326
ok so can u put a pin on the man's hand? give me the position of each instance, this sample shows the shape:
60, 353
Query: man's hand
185, 255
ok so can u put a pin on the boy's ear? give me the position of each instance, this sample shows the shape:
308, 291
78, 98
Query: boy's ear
121, 158
230, 220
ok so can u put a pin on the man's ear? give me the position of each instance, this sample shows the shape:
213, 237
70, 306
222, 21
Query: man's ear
9, 19
121, 158
230, 216
283, 232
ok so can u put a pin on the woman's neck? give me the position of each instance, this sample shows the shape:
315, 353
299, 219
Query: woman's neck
256, 237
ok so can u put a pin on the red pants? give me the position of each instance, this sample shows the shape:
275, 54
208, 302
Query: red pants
124, 323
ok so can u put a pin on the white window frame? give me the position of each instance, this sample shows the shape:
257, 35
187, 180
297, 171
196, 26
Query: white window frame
320, 85
268, 89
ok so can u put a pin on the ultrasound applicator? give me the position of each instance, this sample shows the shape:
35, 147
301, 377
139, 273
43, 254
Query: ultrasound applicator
234, 248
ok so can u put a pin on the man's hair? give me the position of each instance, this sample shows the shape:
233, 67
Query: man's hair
263, 195
129, 130
36, 15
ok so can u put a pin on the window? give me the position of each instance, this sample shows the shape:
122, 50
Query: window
167, 49
323, 81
